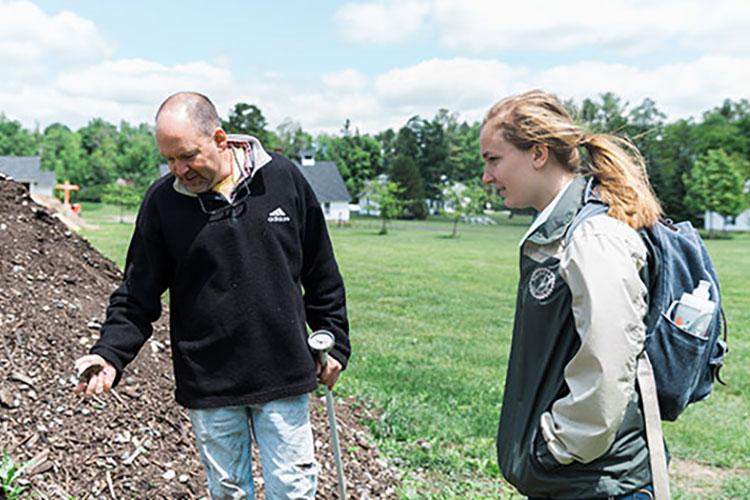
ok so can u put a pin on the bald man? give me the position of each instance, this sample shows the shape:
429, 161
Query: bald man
238, 238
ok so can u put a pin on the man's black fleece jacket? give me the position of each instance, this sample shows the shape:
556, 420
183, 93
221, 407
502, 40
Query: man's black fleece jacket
242, 283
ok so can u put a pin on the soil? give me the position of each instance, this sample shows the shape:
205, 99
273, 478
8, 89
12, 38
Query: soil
135, 442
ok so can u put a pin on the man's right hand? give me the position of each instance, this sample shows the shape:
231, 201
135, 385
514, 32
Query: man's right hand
101, 381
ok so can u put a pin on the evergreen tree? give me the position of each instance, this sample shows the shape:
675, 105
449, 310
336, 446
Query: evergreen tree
387, 143
433, 161
404, 172
407, 140
465, 162
248, 119
605, 115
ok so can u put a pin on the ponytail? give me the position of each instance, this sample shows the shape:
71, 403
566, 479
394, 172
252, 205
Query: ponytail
623, 180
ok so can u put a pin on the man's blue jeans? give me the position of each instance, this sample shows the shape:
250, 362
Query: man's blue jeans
284, 436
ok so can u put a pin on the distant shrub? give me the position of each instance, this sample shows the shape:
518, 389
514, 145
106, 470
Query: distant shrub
92, 193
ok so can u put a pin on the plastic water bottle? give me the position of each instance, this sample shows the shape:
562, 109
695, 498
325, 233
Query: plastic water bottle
694, 310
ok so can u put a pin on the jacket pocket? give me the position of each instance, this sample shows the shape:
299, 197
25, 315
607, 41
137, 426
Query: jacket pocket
541, 455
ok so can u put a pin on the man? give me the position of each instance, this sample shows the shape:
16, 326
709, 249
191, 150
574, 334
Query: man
235, 234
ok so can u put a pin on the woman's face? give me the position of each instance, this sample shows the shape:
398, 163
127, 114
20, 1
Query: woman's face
508, 168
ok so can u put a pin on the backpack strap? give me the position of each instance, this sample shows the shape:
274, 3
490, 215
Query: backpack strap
647, 381
649, 272
654, 436
717, 370
592, 205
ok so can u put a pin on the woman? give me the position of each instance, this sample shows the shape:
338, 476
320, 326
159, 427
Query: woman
571, 424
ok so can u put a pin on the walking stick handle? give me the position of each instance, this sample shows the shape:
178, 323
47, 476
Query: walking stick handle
321, 341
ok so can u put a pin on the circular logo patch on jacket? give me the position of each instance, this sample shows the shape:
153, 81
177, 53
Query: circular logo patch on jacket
541, 283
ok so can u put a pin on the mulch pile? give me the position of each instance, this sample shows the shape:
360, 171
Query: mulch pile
136, 441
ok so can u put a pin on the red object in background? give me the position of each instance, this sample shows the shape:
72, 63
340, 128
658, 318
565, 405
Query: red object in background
66, 188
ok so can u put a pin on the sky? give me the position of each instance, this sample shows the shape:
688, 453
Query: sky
375, 63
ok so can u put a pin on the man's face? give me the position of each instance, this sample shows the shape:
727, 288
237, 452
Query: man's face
193, 157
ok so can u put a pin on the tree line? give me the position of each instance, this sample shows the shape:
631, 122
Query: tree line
694, 165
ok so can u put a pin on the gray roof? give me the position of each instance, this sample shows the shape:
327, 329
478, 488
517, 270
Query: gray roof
26, 169
326, 181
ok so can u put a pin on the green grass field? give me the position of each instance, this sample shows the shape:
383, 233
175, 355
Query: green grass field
107, 233
431, 320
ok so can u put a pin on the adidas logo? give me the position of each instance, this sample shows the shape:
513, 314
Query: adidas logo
278, 215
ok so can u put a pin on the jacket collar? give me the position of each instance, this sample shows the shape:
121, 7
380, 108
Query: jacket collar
562, 214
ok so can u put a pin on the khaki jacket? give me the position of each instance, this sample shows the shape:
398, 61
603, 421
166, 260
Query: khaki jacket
571, 425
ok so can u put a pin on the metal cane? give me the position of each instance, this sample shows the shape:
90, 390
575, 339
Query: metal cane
321, 341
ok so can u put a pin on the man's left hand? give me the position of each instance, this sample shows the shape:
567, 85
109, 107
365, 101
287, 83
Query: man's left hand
330, 373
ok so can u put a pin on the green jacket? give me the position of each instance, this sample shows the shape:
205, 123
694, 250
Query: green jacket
571, 424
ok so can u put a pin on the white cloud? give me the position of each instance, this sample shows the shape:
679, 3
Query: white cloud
456, 84
328, 112
128, 89
138, 80
627, 26
471, 86
348, 79
51, 105
536, 24
318, 108
382, 21
680, 90
27, 34
132, 89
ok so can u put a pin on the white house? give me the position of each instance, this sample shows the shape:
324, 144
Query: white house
717, 222
28, 171
325, 179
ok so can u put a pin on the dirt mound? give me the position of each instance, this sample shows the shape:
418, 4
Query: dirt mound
135, 442
55, 207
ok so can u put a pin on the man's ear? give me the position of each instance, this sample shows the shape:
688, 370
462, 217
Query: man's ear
220, 138
539, 155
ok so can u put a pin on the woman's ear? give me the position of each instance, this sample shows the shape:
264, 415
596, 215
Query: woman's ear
539, 155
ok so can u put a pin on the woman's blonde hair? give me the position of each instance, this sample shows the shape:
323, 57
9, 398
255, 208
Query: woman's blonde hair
536, 117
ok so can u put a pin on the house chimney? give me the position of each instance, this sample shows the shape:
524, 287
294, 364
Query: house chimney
307, 157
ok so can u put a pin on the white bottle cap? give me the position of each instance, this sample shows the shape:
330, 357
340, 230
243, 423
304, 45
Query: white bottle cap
702, 292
